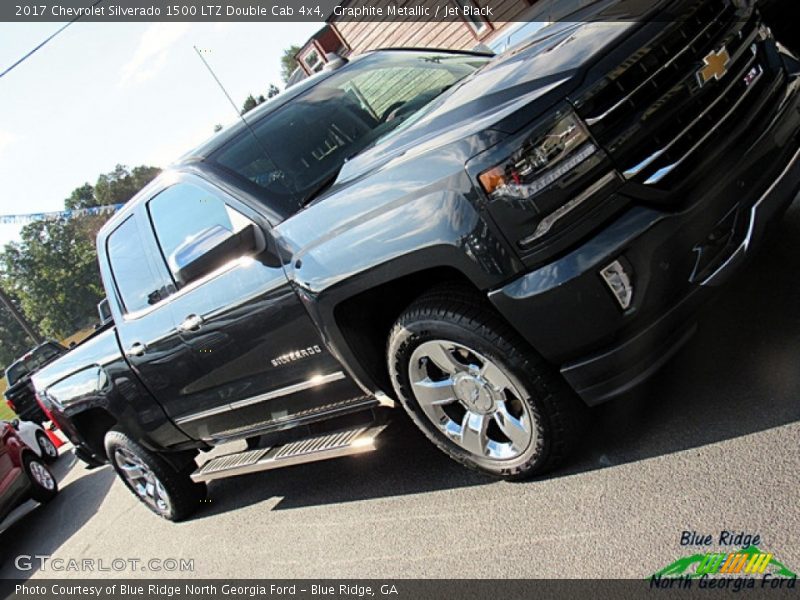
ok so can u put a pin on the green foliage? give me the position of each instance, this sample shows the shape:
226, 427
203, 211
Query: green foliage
120, 185
52, 272
6, 414
251, 102
13, 340
289, 62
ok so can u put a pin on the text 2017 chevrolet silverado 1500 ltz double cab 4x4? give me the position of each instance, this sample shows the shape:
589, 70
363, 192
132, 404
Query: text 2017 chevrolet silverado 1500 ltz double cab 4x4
495, 243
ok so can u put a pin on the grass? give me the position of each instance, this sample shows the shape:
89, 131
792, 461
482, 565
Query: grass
6, 414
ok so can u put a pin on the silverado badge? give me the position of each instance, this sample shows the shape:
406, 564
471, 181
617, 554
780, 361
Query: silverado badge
715, 66
285, 359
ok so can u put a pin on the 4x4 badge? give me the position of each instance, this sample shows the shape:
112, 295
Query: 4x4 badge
716, 65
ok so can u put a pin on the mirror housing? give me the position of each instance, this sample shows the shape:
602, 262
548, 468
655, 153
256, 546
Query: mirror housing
104, 311
211, 248
15, 423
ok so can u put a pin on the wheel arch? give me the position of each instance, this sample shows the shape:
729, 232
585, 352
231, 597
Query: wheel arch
93, 425
27, 452
365, 320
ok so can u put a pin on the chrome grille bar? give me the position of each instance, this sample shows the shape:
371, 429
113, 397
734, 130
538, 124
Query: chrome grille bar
634, 171
593, 120
663, 172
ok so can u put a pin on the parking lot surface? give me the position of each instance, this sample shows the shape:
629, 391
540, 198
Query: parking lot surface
709, 444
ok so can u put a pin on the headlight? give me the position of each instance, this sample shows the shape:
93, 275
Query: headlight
540, 162
548, 185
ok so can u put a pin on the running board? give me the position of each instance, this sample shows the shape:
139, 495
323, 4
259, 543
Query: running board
331, 445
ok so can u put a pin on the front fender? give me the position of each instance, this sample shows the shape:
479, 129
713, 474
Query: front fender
398, 233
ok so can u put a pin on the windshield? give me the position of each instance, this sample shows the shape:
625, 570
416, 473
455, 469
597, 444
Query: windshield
301, 146
30, 363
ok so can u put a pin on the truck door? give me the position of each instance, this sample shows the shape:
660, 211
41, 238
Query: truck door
251, 356
138, 293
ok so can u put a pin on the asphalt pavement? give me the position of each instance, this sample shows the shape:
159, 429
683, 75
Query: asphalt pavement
709, 445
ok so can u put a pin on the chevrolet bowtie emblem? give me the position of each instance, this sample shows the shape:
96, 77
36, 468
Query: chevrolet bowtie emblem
716, 65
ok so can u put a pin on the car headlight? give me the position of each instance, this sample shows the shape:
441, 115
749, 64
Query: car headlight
543, 160
549, 186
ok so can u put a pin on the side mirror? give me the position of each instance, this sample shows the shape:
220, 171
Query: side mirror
15, 423
212, 248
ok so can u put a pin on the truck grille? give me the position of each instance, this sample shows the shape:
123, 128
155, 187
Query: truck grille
654, 115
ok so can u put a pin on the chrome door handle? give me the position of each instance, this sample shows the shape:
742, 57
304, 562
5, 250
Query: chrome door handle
136, 349
191, 323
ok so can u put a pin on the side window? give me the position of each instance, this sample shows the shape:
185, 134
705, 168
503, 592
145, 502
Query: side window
136, 283
190, 222
312, 60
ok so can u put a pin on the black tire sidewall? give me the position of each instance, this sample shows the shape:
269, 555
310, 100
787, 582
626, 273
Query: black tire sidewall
184, 494
413, 330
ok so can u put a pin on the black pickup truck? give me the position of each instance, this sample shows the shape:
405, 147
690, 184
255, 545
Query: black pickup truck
20, 394
494, 242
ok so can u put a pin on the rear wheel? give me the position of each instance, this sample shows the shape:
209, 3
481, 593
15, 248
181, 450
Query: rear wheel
477, 391
49, 452
167, 491
43, 484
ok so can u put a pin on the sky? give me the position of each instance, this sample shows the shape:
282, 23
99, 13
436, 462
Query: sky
100, 94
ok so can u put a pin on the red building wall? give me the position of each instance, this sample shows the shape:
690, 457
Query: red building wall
362, 36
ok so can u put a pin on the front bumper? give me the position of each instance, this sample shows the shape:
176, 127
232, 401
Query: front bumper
567, 312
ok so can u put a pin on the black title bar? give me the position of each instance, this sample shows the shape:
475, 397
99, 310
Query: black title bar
278, 11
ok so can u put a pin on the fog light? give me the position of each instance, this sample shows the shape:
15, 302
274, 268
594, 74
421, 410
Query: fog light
619, 282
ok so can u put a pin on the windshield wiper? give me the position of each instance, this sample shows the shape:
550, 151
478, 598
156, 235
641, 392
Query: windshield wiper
323, 185
327, 182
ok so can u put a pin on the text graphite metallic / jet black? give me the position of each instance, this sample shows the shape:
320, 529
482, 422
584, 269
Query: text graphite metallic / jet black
495, 242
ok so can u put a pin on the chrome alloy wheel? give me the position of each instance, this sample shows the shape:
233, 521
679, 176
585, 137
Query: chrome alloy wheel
42, 476
471, 400
142, 480
47, 446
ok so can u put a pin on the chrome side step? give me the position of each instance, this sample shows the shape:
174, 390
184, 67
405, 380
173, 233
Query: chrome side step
323, 447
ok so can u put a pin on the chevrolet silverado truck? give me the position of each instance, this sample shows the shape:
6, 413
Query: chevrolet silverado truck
20, 394
496, 243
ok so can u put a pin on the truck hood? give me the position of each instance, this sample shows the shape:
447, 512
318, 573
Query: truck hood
531, 76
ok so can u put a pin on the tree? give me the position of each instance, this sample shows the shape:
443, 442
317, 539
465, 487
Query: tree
289, 62
272, 91
120, 185
14, 340
251, 102
52, 272
80, 197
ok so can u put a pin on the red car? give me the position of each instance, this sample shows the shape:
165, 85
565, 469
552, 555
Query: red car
23, 475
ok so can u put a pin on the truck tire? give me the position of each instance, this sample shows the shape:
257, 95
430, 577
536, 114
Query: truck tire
44, 486
49, 452
168, 492
477, 391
